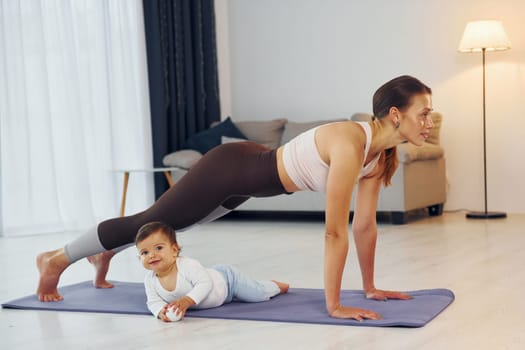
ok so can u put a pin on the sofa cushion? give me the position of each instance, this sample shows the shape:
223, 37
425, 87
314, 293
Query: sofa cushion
292, 129
183, 159
207, 139
227, 139
267, 133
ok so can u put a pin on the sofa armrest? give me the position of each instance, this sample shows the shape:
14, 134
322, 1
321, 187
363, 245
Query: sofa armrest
183, 159
407, 152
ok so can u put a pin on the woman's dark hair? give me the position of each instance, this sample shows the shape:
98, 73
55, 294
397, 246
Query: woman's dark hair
397, 92
156, 226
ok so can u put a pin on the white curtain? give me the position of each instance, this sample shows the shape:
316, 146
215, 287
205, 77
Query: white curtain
74, 107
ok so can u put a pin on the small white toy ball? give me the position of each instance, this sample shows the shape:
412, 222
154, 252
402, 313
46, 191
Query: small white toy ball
173, 315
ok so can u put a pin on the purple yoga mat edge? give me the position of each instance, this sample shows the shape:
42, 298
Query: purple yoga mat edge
134, 293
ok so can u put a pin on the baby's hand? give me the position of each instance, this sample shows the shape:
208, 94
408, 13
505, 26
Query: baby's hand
174, 314
176, 310
182, 305
170, 313
162, 314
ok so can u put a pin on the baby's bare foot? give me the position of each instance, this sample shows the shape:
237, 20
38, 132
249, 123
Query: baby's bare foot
282, 286
101, 264
50, 265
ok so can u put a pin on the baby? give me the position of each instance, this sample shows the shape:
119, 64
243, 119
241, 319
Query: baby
175, 283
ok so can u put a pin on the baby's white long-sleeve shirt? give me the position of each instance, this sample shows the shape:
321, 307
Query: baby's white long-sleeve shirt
205, 286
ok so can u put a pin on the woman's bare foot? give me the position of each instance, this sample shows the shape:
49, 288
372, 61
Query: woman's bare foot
50, 265
282, 286
101, 264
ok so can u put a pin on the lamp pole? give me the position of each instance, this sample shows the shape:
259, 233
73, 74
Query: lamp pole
485, 214
483, 50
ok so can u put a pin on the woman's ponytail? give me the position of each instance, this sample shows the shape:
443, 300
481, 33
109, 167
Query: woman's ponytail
390, 163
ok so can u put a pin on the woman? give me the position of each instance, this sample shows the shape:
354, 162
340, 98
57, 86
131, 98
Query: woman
330, 158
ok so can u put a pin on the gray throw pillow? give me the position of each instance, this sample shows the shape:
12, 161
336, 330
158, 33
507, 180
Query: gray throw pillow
292, 129
267, 132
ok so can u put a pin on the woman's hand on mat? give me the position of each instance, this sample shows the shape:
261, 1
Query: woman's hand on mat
384, 295
355, 313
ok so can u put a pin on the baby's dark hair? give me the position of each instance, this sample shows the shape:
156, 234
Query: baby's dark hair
156, 226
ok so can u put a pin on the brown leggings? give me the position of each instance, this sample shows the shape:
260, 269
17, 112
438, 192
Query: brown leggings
228, 175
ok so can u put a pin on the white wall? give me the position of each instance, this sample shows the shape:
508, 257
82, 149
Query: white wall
315, 59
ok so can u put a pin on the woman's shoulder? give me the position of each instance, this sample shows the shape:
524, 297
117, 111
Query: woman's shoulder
344, 139
340, 133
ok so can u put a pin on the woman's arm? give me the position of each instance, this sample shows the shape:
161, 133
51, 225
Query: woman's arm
345, 159
341, 178
364, 228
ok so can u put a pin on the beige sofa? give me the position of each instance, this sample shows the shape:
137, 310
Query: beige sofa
419, 182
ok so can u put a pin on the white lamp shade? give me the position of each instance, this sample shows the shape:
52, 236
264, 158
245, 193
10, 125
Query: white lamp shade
488, 35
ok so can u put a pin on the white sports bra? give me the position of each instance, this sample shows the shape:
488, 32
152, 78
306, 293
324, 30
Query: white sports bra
306, 168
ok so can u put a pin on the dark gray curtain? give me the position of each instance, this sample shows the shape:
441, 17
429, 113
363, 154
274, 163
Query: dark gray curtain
182, 73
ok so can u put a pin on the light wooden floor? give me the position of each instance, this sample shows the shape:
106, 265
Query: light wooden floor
481, 261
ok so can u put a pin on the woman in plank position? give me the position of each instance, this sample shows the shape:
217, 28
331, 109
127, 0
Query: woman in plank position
331, 158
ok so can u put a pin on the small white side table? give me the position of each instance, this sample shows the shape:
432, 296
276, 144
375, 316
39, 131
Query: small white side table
166, 171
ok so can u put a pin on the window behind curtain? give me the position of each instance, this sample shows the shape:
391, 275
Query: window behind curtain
73, 107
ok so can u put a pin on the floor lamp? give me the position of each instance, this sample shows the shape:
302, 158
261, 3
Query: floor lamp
483, 36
